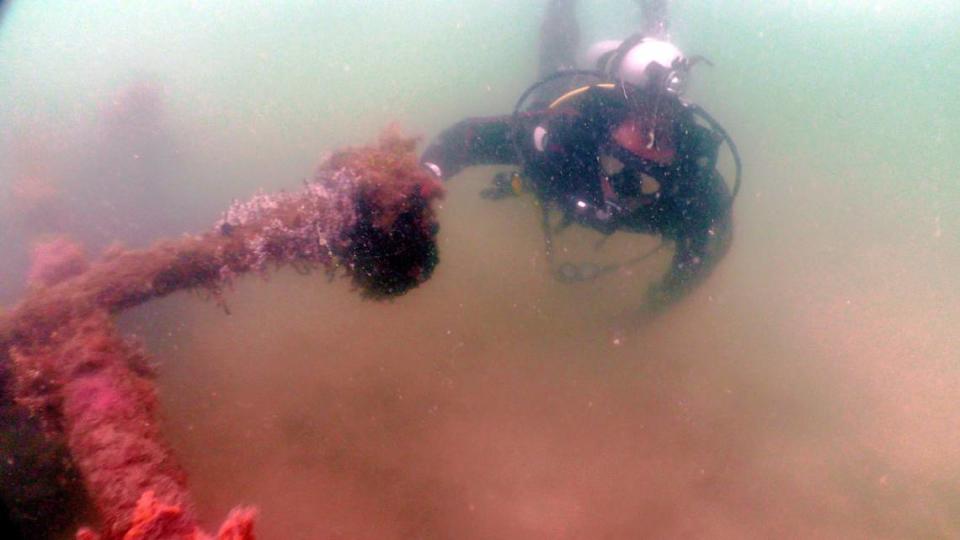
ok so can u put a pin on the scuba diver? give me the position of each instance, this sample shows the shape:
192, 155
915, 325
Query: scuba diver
613, 147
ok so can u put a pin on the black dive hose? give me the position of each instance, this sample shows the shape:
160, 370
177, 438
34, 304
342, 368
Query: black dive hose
715, 126
569, 272
517, 135
614, 62
518, 109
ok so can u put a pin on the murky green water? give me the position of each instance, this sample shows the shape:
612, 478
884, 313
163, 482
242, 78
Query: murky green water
808, 389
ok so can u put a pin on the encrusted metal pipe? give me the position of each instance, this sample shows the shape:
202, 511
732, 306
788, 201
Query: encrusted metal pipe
367, 213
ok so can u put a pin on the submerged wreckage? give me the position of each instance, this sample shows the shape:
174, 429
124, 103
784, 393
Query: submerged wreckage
366, 214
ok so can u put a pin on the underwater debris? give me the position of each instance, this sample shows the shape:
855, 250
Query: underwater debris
89, 384
366, 213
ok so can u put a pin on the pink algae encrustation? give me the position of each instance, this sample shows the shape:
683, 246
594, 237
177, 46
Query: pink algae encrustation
93, 388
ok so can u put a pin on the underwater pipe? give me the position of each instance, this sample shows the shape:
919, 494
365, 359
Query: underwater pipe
366, 214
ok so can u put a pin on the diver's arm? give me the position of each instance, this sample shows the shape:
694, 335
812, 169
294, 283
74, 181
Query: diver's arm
474, 141
699, 211
703, 232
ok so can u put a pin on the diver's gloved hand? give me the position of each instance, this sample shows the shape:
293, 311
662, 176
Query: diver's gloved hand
505, 184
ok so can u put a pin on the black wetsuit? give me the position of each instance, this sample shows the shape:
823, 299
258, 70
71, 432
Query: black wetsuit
561, 152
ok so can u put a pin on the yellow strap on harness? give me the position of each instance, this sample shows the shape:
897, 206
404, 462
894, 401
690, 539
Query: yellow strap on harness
577, 91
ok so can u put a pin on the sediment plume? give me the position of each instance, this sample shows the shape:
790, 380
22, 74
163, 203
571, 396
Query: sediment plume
366, 214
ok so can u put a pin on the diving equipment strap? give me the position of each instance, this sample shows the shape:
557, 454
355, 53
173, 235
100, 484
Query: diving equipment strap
570, 272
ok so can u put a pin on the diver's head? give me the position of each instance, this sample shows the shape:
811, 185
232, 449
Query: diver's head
650, 63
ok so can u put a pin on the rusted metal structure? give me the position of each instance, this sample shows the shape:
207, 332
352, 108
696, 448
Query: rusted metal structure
366, 214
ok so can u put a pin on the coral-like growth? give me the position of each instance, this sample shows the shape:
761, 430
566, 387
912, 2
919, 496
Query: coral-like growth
369, 207
95, 388
392, 244
153, 520
367, 213
55, 260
